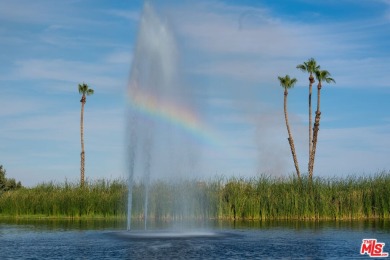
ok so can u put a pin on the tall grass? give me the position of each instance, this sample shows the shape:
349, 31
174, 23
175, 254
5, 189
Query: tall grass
262, 198
97, 199
347, 198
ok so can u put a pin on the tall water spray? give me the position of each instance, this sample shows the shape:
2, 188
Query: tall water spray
154, 92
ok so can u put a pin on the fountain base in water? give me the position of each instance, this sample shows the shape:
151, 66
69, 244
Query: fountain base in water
168, 234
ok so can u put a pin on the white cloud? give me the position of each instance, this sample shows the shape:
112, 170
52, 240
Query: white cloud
353, 150
62, 126
212, 29
99, 75
31, 140
129, 14
387, 11
267, 44
19, 106
249, 70
123, 57
45, 12
26, 11
220, 33
56, 127
364, 73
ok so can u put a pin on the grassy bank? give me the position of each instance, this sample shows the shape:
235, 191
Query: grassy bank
98, 199
257, 198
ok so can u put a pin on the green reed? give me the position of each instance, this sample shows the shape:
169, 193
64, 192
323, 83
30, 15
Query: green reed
220, 198
97, 199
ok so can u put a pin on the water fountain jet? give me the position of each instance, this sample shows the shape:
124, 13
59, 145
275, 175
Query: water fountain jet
160, 109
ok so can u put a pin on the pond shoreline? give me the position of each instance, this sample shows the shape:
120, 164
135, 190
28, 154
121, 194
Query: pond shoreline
123, 218
261, 198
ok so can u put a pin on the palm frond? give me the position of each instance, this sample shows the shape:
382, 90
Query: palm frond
84, 89
312, 65
281, 80
302, 67
90, 92
293, 81
309, 66
330, 80
317, 74
324, 75
81, 88
287, 82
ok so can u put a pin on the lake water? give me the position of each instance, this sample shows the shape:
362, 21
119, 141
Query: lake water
214, 240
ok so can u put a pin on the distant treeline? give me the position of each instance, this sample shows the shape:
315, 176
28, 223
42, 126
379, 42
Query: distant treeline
7, 184
263, 198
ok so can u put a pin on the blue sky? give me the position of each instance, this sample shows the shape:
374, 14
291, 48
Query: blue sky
230, 53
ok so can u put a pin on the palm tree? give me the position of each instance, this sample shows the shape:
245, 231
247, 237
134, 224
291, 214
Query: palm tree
85, 91
321, 75
311, 67
287, 82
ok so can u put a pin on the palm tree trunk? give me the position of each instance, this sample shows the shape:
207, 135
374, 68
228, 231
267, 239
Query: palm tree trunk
311, 80
290, 139
82, 155
315, 132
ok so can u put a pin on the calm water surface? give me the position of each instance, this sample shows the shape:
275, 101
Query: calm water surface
219, 240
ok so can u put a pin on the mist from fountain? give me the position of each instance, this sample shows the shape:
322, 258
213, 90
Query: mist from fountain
160, 111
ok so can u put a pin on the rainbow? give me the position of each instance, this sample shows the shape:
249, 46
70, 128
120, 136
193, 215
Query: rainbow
178, 116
